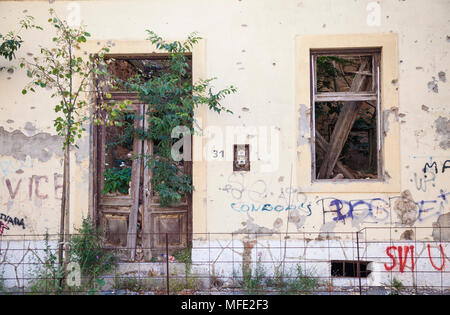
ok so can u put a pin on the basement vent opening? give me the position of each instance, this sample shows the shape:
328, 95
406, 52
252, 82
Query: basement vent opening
349, 268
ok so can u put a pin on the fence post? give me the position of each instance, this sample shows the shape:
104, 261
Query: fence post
358, 265
167, 263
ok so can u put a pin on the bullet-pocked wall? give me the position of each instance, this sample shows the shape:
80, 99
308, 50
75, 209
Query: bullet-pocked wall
254, 45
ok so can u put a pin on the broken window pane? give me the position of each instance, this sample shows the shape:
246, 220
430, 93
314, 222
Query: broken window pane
336, 73
123, 70
346, 114
119, 155
359, 153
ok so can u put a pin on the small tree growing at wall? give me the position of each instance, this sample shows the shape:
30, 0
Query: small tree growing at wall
12, 41
172, 98
62, 70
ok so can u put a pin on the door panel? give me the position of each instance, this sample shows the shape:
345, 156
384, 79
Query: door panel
173, 222
118, 202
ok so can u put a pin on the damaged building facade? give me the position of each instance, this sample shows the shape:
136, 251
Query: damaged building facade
336, 152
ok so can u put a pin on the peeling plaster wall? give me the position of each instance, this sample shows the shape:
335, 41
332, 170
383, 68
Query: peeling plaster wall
249, 44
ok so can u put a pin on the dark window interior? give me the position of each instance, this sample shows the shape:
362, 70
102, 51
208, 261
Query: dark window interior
349, 269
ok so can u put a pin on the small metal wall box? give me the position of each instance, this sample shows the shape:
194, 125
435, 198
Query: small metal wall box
241, 160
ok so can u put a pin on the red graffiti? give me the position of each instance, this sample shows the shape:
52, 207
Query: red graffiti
399, 256
3, 227
431, 259
394, 261
402, 257
403, 261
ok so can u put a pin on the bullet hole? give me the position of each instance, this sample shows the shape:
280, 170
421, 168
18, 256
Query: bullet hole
432, 86
443, 129
407, 235
425, 108
442, 76
278, 223
274, 64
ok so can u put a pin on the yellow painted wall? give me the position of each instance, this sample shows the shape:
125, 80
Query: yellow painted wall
254, 45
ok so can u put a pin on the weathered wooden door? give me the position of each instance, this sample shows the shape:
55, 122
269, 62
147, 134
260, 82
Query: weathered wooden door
132, 217
118, 172
173, 222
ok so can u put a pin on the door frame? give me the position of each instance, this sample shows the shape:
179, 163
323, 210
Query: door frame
197, 229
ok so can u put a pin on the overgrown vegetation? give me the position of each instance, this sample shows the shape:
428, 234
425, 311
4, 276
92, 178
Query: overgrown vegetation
117, 180
64, 71
184, 256
253, 282
87, 251
298, 281
396, 286
172, 98
157, 284
48, 276
3, 288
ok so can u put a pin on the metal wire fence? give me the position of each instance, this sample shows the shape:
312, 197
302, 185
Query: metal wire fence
369, 261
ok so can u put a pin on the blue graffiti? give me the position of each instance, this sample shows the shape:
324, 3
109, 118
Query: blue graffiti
268, 207
428, 212
377, 210
9, 167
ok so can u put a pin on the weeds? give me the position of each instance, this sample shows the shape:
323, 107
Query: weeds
253, 284
184, 256
301, 282
3, 289
158, 284
137, 284
396, 286
49, 275
86, 251
298, 282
